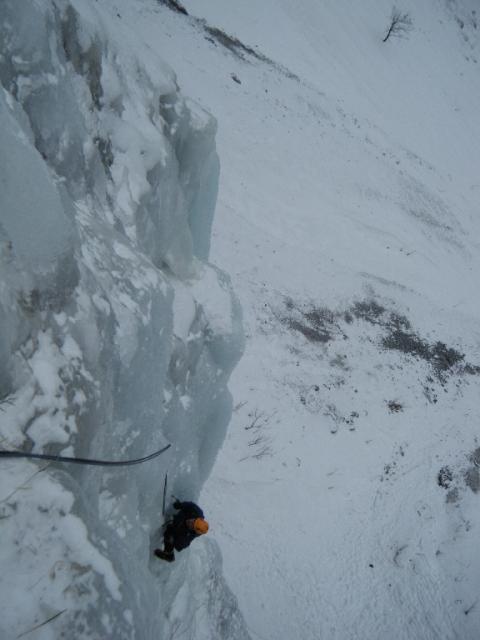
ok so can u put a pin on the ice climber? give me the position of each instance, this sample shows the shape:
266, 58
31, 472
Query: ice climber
185, 526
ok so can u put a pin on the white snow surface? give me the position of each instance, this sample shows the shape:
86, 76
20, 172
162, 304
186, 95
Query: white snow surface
345, 498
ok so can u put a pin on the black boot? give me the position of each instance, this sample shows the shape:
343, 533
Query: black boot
165, 555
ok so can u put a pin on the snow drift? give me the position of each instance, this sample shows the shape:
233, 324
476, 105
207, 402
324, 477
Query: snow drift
117, 336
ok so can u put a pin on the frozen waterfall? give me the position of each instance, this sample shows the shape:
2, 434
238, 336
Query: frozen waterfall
116, 336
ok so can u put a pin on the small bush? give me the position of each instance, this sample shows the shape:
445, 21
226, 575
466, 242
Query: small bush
400, 25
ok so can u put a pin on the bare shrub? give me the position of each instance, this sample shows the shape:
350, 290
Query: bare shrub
260, 441
400, 24
394, 406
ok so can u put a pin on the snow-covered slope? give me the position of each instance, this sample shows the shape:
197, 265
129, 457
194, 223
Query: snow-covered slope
117, 337
345, 499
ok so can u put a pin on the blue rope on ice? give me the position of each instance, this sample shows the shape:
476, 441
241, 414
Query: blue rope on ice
101, 463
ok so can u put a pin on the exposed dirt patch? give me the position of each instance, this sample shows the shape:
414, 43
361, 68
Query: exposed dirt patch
313, 334
313, 328
174, 5
394, 406
367, 310
317, 324
445, 477
322, 325
456, 480
241, 50
401, 337
475, 457
443, 359
341, 338
234, 45
472, 479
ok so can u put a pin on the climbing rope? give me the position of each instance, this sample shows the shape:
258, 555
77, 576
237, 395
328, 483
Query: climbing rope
101, 463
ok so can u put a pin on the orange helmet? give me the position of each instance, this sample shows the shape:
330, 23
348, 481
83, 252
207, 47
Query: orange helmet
200, 526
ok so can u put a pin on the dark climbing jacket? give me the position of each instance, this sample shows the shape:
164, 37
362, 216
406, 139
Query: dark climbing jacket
177, 532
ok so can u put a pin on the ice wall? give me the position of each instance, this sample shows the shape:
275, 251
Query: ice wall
116, 335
